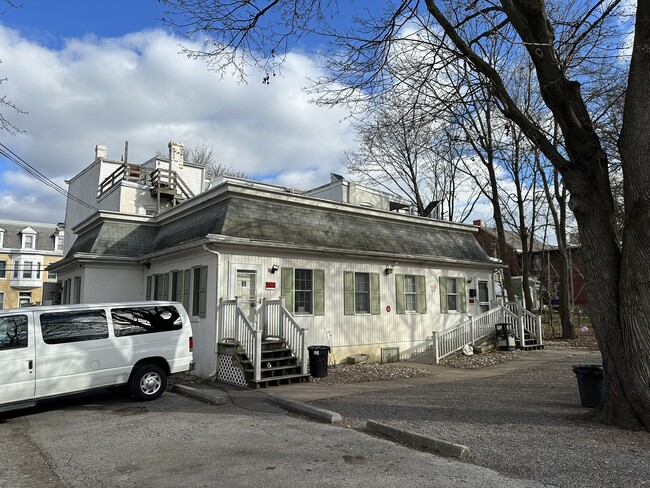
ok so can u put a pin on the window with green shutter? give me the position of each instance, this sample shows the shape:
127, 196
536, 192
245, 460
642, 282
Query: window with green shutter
361, 293
452, 295
410, 293
303, 290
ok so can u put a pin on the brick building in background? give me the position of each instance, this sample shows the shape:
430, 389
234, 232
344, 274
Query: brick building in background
544, 265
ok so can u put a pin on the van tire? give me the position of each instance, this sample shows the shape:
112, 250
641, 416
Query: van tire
148, 382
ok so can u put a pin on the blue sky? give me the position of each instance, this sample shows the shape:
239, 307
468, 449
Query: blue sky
105, 72
51, 21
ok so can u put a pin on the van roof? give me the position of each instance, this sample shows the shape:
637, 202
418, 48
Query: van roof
84, 306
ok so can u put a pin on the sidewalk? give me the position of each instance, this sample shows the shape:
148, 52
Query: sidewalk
310, 392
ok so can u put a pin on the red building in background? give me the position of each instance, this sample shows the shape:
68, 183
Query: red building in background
544, 265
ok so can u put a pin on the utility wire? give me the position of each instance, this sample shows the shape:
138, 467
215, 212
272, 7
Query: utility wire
25, 166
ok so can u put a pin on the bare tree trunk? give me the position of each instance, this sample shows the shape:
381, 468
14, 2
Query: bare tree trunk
619, 298
568, 331
633, 332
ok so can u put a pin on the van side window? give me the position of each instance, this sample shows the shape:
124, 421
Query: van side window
74, 326
145, 320
13, 332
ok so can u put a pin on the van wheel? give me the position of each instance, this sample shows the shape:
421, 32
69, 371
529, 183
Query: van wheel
148, 382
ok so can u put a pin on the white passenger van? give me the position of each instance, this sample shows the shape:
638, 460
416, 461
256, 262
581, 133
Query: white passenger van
57, 350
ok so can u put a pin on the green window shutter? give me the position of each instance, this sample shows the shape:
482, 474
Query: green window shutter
462, 297
286, 288
399, 291
203, 290
422, 294
375, 303
348, 293
148, 295
443, 295
186, 289
179, 285
157, 287
165, 291
319, 292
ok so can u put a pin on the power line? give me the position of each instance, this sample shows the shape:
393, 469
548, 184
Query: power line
25, 166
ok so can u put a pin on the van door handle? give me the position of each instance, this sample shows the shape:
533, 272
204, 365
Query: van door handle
30, 364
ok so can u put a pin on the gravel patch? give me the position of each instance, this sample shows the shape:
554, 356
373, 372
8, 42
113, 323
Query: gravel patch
483, 360
529, 424
358, 373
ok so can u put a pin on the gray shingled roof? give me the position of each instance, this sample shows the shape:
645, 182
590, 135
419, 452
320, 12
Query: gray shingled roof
13, 238
284, 224
115, 239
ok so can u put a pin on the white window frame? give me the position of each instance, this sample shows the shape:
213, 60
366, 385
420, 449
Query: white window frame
454, 294
32, 238
4, 270
2, 238
367, 293
58, 242
21, 297
411, 294
309, 291
2, 300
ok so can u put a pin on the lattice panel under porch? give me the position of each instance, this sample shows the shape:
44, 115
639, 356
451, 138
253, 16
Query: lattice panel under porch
229, 371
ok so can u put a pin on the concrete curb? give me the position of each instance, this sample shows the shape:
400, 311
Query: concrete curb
442, 447
306, 409
210, 396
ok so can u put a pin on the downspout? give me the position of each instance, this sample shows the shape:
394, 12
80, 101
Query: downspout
216, 305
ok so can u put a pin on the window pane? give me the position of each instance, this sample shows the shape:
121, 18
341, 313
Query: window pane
452, 302
482, 291
410, 284
362, 292
303, 291
3, 269
85, 325
451, 285
13, 332
145, 320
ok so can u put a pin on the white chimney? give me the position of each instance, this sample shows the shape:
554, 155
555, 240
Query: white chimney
176, 152
100, 151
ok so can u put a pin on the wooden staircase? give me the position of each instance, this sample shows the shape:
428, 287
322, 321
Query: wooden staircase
279, 366
529, 343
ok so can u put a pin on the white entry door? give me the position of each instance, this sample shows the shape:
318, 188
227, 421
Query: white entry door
246, 289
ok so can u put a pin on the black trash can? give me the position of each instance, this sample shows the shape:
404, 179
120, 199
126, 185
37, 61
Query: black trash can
505, 337
318, 360
590, 383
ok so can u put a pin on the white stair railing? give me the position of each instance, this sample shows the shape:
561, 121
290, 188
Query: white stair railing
272, 320
236, 327
481, 327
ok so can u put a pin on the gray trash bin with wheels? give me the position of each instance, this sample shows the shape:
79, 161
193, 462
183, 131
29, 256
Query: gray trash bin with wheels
590, 383
318, 360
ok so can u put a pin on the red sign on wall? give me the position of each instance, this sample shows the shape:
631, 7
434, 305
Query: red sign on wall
270, 285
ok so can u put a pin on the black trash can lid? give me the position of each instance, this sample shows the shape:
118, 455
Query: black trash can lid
319, 348
595, 369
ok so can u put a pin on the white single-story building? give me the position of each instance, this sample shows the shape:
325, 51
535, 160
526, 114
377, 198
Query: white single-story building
255, 263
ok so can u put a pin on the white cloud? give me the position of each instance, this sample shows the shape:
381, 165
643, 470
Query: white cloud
138, 88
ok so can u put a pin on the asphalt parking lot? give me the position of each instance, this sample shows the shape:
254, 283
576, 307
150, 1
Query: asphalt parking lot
106, 440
